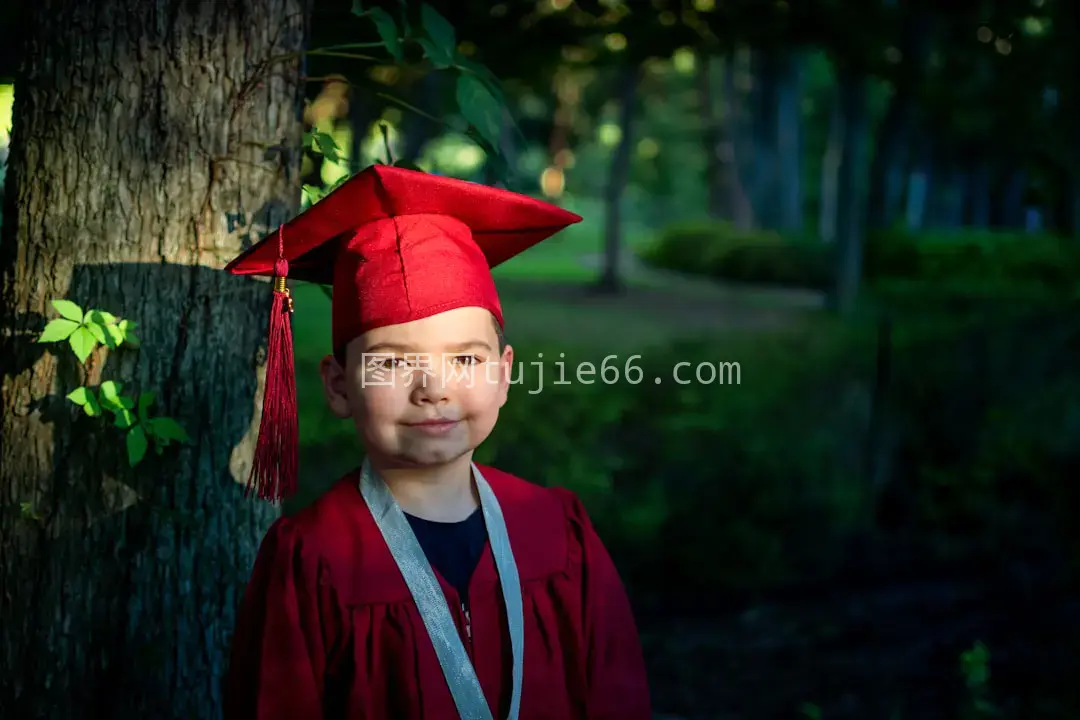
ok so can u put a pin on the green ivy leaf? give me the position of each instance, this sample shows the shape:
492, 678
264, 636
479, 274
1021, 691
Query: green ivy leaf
443, 46
312, 194
84, 397
114, 335
168, 429
432, 53
92, 407
136, 445
82, 343
124, 417
146, 400
69, 310
57, 330
114, 402
98, 331
110, 393
388, 32
480, 108
328, 147
78, 395
101, 317
483, 75
125, 328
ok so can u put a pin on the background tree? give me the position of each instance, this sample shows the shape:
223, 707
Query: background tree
152, 141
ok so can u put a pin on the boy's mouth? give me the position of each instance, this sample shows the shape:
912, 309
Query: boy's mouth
433, 421
433, 426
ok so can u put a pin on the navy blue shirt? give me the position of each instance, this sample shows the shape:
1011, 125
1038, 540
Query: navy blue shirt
454, 548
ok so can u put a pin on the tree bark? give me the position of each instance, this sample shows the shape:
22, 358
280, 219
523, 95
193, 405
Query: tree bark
152, 141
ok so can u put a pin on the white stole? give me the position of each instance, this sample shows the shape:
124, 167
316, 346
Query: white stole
424, 586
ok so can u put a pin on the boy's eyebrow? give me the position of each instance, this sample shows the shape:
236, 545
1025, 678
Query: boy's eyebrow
387, 347
382, 348
469, 345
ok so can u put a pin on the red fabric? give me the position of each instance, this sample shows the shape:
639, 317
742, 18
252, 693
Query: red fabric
407, 268
328, 629
399, 245
275, 463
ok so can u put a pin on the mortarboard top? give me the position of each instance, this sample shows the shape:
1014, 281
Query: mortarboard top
397, 245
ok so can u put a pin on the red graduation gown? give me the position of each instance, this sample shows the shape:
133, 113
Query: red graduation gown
328, 628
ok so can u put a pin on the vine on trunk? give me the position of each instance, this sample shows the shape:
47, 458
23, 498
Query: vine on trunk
84, 331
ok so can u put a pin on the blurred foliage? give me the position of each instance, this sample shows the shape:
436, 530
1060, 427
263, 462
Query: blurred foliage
1000, 262
737, 488
722, 251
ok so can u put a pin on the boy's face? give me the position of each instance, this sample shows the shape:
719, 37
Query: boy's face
425, 392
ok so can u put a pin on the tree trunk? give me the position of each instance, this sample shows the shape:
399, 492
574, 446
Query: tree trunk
143, 131
716, 199
789, 145
891, 158
1012, 198
830, 170
724, 189
611, 276
767, 69
979, 208
740, 142
922, 177
853, 162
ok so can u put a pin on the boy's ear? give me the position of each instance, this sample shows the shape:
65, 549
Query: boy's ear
506, 370
335, 387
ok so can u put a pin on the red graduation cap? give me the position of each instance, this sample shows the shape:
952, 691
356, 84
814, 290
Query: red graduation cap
397, 245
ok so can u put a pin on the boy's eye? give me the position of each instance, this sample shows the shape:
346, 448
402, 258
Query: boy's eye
467, 359
386, 363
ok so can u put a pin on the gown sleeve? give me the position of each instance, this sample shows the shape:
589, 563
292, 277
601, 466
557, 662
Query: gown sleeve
285, 629
617, 681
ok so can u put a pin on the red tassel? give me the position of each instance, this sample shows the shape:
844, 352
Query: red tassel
274, 467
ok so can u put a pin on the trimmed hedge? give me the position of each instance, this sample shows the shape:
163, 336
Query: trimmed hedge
720, 251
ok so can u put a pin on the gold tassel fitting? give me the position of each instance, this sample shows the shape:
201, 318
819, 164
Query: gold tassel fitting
280, 287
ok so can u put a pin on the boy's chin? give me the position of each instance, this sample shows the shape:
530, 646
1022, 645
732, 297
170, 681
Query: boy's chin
430, 456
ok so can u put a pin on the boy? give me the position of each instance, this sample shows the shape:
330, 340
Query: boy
421, 585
